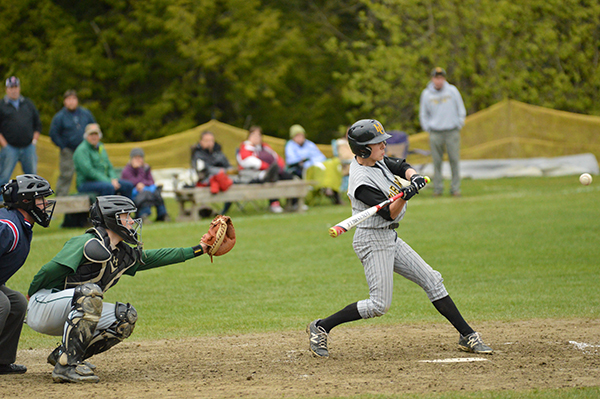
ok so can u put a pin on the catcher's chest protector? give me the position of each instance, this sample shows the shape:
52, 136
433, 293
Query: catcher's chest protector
104, 274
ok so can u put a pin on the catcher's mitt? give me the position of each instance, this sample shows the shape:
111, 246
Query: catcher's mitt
220, 237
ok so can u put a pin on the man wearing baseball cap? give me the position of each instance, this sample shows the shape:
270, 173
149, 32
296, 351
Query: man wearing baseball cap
442, 113
20, 127
95, 172
66, 131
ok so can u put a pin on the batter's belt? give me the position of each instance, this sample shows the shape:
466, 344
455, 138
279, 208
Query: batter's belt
392, 226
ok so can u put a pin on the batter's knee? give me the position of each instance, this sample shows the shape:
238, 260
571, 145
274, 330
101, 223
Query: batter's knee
380, 308
370, 308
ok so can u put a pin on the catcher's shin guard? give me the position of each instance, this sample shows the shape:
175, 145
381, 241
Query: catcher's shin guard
122, 328
81, 324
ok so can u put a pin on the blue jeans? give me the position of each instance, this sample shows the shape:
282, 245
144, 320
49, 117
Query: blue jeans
106, 188
161, 211
144, 211
9, 156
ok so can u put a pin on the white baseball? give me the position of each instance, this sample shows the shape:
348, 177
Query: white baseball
585, 179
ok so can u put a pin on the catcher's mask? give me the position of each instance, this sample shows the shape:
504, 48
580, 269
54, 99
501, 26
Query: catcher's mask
364, 132
24, 192
114, 213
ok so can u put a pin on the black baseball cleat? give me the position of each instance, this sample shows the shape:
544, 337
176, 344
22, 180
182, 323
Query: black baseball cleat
473, 343
317, 339
77, 373
12, 369
53, 358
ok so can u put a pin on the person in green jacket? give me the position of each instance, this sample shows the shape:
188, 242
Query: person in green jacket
95, 173
66, 295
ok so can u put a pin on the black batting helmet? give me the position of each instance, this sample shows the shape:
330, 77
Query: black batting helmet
364, 132
21, 193
106, 211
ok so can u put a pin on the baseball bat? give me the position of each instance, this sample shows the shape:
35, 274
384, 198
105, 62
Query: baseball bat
353, 220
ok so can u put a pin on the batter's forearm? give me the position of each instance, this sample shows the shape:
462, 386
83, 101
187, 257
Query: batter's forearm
409, 173
396, 207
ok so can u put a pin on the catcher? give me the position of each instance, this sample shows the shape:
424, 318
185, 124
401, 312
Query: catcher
67, 293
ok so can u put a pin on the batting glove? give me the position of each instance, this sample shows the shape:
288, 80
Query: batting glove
418, 181
409, 192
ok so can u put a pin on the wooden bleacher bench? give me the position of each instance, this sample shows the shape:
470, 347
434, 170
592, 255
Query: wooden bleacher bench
72, 204
199, 197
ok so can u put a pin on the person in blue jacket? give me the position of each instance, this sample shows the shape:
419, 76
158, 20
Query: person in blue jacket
66, 131
301, 153
24, 204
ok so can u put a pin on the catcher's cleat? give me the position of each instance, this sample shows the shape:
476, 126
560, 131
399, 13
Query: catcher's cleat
317, 339
473, 343
78, 373
53, 358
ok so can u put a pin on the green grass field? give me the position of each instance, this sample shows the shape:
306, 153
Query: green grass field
509, 249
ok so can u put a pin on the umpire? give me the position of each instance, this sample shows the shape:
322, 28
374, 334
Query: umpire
24, 204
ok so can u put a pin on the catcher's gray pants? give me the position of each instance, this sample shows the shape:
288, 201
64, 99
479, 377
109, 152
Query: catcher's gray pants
382, 253
13, 306
48, 312
67, 170
447, 140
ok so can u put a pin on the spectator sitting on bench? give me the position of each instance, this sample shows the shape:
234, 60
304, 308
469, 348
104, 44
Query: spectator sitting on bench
306, 161
145, 193
211, 165
95, 173
301, 153
259, 163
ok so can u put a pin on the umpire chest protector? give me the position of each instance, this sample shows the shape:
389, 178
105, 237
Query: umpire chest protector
101, 265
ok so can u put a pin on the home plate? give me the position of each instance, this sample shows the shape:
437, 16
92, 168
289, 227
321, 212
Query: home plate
456, 360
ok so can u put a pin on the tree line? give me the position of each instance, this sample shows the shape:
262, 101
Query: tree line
149, 68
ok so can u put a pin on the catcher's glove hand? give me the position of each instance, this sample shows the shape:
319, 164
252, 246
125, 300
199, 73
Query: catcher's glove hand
220, 237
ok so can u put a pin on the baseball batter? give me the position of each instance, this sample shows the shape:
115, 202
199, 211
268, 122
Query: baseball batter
373, 179
67, 293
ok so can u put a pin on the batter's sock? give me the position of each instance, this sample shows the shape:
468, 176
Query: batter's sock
448, 309
349, 313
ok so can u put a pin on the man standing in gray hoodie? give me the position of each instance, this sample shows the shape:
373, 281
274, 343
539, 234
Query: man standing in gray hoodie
442, 114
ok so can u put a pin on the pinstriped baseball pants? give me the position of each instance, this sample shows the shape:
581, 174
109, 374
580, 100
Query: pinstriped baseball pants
382, 254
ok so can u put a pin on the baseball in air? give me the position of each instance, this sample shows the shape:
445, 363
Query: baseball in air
585, 179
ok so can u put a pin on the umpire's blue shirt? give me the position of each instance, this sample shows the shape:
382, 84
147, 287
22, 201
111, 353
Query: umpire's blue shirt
15, 241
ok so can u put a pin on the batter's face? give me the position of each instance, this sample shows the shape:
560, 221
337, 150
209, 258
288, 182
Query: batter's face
377, 151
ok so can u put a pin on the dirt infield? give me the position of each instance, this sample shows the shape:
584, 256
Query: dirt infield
364, 359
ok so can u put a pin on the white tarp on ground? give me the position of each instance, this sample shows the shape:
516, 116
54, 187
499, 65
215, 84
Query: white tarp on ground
497, 168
